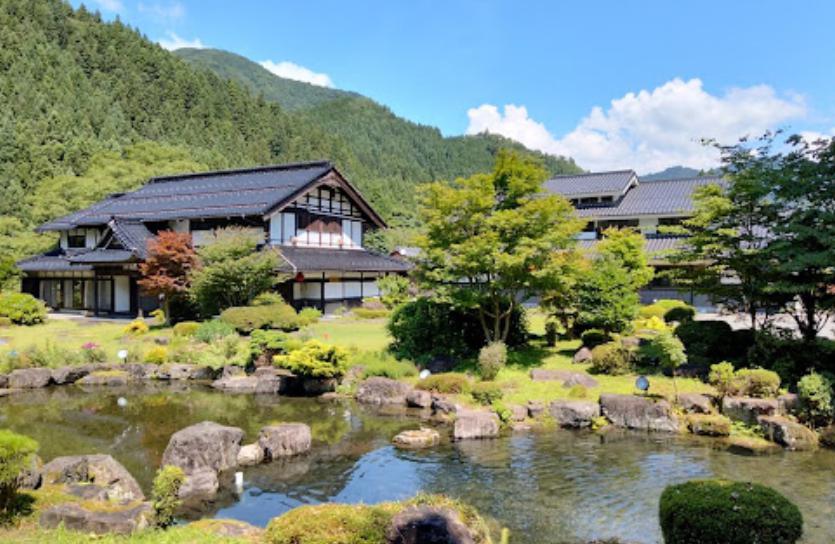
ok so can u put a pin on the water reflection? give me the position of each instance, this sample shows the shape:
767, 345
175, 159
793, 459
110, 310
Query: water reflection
557, 486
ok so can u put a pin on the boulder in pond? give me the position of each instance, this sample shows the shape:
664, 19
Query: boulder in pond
99, 469
317, 386
518, 412
416, 439
789, 434
251, 454
695, 403
77, 518
535, 408
206, 445
261, 384
232, 370
709, 424
428, 524
583, 355
30, 378
106, 378
417, 398
827, 436
748, 409
442, 405
634, 412
285, 439
71, 374
574, 413
788, 403
379, 390
4, 381
475, 424
200, 484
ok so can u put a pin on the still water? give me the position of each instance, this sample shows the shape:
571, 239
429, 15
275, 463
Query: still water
555, 486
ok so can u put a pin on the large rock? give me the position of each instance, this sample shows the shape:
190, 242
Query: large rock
4, 381
535, 408
206, 445
747, 409
788, 404
30, 378
260, 384
695, 403
382, 391
76, 518
642, 413
106, 377
442, 405
567, 377
251, 454
285, 439
709, 424
475, 424
583, 355
422, 438
789, 434
518, 412
232, 370
574, 413
71, 374
31, 476
428, 525
201, 484
419, 399
99, 469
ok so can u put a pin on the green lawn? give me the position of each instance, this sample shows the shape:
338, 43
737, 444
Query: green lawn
348, 331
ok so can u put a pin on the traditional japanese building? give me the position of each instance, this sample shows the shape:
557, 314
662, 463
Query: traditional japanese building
621, 199
308, 212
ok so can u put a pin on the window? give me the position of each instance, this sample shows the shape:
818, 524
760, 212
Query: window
606, 199
76, 239
669, 221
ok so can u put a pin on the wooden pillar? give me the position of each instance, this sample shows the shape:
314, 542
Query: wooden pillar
362, 286
95, 294
322, 293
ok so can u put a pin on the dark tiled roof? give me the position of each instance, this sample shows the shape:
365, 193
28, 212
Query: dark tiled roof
53, 261
656, 247
590, 184
297, 259
104, 256
252, 191
657, 197
132, 235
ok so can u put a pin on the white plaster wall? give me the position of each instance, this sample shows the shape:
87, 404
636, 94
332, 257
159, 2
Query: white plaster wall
122, 295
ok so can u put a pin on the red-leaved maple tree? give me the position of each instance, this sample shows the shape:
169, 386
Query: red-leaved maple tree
171, 259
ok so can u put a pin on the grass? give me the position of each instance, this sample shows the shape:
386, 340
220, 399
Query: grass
348, 331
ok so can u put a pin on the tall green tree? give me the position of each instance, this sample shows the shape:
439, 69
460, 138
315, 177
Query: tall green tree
494, 241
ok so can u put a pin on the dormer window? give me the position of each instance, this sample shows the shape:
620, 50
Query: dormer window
76, 239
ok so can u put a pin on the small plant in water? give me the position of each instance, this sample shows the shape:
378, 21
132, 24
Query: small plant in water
164, 495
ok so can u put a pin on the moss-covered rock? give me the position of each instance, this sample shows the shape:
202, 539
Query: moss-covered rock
709, 424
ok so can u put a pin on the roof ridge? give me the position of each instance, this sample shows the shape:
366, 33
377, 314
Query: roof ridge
690, 178
263, 168
603, 173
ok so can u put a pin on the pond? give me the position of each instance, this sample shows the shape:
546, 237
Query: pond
546, 486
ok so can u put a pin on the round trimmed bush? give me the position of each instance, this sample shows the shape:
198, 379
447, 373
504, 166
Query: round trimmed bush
491, 359
724, 512
16, 453
594, 337
449, 382
612, 358
186, 328
22, 308
680, 314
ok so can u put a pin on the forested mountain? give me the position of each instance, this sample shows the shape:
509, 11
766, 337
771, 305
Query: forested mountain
673, 172
90, 107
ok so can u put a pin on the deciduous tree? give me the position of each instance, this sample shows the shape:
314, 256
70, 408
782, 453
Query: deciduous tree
167, 269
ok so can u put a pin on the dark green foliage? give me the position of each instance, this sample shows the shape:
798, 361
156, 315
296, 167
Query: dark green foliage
722, 512
790, 357
814, 391
261, 340
16, 453
246, 319
551, 332
450, 383
22, 308
486, 393
708, 342
612, 358
164, 496
421, 329
594, 337
680, 314
757, 382
210, 331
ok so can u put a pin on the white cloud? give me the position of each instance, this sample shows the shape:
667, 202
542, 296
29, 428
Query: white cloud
292, 70
165, 12
114, 6
649, 130
173, 41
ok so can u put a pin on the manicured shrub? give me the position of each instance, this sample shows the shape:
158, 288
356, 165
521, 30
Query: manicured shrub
383, 363
370, 313
449, 383
246, 319
186, 328
424, 328
164, 496
157, 355
814, 392
612, 358
491, 359
315, 360
261, 340
136, 327
225, 351
757, 382
308, 316
268, 298
16, 454
22, 308
680, 314
594, 337
722, 377
93, 353
722, 512
209, 331
486, 393
708, 342
659, 308
552, 329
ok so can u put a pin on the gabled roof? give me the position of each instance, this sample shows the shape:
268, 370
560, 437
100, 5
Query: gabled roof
57, 260
304, 259
595, 183
133, 236
656, 197
227, 193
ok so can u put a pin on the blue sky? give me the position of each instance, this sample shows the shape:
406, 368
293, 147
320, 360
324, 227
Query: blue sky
612, 83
